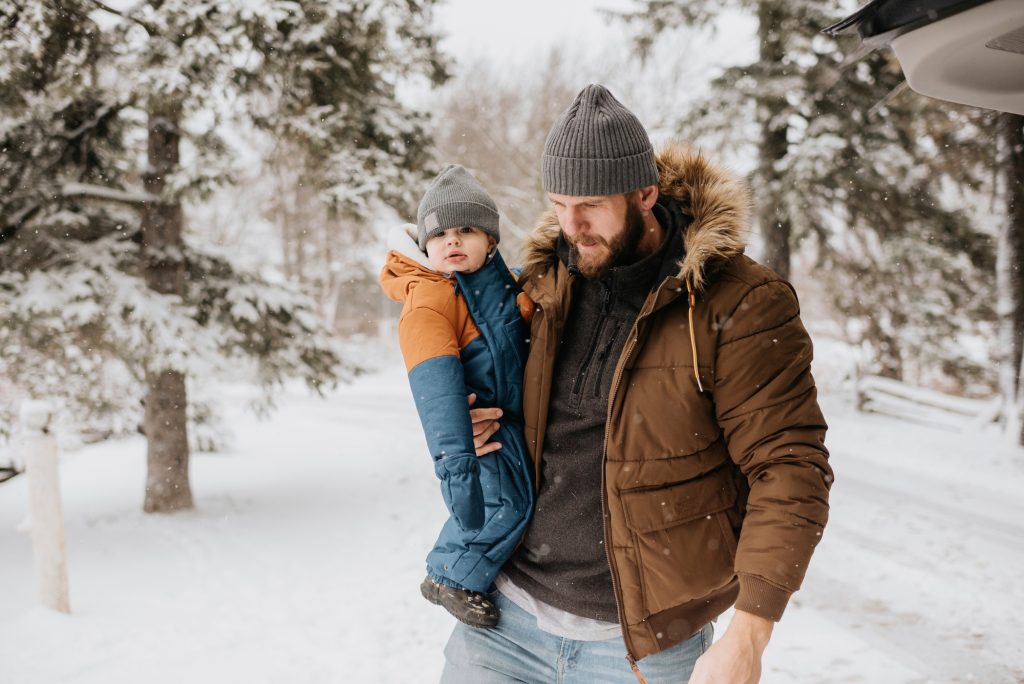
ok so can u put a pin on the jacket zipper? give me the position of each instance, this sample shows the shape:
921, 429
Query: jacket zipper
624, 359
545, 378
636, 669
630, 658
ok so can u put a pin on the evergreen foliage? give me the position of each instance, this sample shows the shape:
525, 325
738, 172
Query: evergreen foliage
82, 83
863, 173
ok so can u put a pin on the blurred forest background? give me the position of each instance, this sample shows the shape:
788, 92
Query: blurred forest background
194, 192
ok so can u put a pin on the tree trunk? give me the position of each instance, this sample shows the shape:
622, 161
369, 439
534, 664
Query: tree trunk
167, 483
1010, 272
1020, 403
1012, 129
773, 217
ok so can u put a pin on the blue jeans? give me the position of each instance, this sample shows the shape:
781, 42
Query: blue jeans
518, 651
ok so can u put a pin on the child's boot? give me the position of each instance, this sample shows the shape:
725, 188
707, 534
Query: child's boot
470, 607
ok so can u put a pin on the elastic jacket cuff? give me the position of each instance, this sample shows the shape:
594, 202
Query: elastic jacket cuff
462, 464
762, 598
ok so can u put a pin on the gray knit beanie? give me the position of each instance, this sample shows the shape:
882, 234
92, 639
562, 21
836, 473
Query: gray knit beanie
455, 198
597, 147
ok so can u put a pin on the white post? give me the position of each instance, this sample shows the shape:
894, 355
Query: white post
45, 509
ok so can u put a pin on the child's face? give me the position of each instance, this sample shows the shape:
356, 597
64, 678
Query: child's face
463, 249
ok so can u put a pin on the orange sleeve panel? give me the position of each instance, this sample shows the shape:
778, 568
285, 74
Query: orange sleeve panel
435, 322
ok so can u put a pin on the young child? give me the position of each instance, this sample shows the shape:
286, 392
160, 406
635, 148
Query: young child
463, 330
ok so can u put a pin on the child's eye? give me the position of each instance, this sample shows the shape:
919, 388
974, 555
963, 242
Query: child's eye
466, 229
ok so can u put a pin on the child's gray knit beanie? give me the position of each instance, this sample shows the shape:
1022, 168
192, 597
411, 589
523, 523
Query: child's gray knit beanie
455, 198
597, 147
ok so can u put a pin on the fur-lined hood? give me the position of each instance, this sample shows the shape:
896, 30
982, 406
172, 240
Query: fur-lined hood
718, 201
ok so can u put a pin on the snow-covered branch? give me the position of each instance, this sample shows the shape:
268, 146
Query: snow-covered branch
133, 197
125, 15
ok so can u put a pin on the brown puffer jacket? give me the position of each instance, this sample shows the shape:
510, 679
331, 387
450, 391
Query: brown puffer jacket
716, 480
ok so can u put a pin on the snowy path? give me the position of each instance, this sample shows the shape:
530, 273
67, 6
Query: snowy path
919, 558
301, 563
303, 558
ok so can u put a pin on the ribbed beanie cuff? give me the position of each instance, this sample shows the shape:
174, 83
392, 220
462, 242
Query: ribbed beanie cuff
459, 213
596, 177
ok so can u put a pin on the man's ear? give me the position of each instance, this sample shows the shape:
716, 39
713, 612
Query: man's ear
648, 196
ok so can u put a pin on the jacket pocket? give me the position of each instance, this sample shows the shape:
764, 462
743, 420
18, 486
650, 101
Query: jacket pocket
685, 544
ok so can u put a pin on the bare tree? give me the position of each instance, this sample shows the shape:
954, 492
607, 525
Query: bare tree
323, 250
498, 132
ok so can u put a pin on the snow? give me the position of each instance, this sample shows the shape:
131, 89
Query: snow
36, 415
303, 558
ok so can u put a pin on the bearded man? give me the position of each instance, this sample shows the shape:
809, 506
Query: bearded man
672, 420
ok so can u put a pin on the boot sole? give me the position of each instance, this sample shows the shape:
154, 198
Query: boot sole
428, 593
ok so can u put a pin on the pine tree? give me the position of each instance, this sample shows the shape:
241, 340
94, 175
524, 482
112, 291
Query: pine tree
850, 158
769, 92
113, 120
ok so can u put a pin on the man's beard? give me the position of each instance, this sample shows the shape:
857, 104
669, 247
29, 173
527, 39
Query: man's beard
620, 250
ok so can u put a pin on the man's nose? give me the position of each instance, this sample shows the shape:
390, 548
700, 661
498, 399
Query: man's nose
572, 222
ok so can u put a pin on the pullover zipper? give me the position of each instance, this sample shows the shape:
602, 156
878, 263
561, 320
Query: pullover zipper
584, 371
602, 358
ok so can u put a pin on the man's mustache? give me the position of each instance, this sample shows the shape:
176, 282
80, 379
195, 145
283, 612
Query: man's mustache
587, 240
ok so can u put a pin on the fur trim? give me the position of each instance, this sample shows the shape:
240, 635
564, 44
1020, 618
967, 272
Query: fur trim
718, 201
402, 239
539, 246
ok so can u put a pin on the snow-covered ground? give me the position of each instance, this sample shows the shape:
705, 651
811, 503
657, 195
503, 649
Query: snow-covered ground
302, 560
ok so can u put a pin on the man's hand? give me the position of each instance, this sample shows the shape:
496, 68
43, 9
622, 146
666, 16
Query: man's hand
485, 424
736, 657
